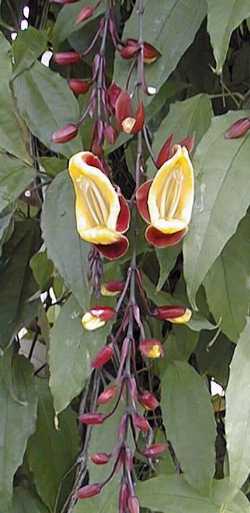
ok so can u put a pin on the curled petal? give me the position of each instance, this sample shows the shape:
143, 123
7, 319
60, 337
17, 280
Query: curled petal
163, 240
91, 322
151, 54
115, 250
112, 93
142, 200
188, 142
123, 107
139, 119
123, 220
112, 288
165, 151
151, 348
174, 314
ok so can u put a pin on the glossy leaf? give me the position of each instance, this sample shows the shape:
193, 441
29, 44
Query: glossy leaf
227, 284
183, 390
223, 177
65, 248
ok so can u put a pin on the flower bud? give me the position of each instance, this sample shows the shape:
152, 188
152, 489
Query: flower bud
112, 288
103, 356
100, 458
150, 53
130, 49
133, 504
107, 395
155, 450
110, 134
85, 13
123, 498
174, 314
238, 129
97, 316
151, 348
65, 58
112, 93
133, 125
165, 151
65, 134
148, 400
140, 423
92, 419
89, 491
79, 86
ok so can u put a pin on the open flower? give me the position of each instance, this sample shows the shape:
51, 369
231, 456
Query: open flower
129, 121
97, 316
174, 314
102, 214
166, 202
151, 348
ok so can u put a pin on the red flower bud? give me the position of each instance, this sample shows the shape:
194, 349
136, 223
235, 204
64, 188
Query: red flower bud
188, 142
110, 134
92, 419
133, 504
100, 458
107, 395
238, 129
79, 86
123, 498
148, 400
155, 450
150, 53
65, 134
171, 313
63, 2
165, 151
85, 13
130, 49
112, 287
105, 313
140, 423
89, 491
64, 58
151, 348
103, 356
112, 93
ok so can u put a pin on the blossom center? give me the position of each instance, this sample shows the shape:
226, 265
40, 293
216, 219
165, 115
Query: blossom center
169, 197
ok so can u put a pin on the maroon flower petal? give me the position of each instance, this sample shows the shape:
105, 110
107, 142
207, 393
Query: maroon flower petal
123, 107
163, 240
165, 151
123, 220
115, 250
139, 119
142, 200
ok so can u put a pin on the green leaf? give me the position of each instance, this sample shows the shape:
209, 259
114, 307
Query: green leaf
25, 501
180, 344
166, 258
13, 135
187, 118
68, 252
227, 283
189, 420
222, 171
15, 176
214, 356
5, 226
70, 354
18, 404
171, 494
238, 411
66, 20
170, 27
27, 47
17, 283
47, 104
223, 17
42, 269
58, 447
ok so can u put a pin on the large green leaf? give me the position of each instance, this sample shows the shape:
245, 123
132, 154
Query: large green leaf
18, 404
58, 447
238, 411
13, 135
27, 47
170, 26
214, 356
223, 17
17, 283
187, 118
171, 494
189, 420
166, 258
227, 284
47, 104
15, 176
68, 252
223, 177
25, 501
70, 354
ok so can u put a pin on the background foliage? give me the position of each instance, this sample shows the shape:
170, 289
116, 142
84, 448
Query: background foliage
202, 83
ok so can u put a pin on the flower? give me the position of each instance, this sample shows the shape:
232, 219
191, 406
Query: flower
112, 288
86, 13
102, 214
140, 422
107, 395
151, 348
148, 400
174, 314
168, 148
92, 419
238, 129
131, 47
166, 202
97, 316
65, 58
89, 491
103, 356
100, 458
129, 122
155, 450
65, 134
79, 86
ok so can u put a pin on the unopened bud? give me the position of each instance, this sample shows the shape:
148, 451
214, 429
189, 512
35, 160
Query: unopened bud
85, 13
107, 395
79, 86
92, 419
174, 314
148, 400
65, 58
155, 450
100, 458
112, 288
238, 129
140, 423
65, 134
103, 356
89, 491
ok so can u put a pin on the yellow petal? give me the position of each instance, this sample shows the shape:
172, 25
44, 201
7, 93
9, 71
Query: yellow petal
97, 203
155, 352
171, 194
183, 319
91, 323
98, 235
106, 292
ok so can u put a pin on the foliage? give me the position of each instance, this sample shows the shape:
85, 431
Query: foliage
197, 88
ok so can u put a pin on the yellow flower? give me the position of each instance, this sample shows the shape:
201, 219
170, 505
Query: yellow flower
102, 215
166, 202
